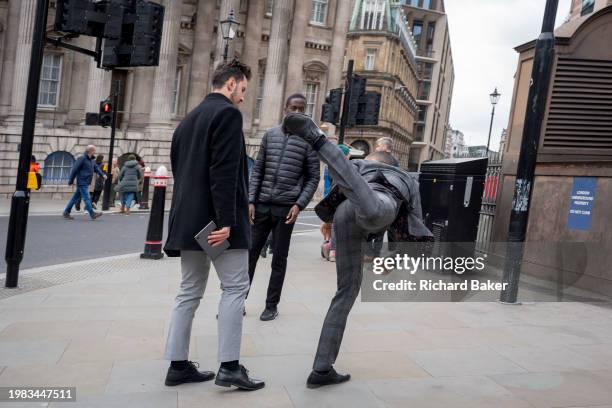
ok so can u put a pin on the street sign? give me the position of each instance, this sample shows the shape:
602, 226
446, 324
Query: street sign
581, 203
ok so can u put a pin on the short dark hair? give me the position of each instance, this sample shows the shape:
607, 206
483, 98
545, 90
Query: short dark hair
226, 70
295, 96
383, 157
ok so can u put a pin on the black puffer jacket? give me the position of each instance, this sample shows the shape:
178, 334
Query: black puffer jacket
286, 171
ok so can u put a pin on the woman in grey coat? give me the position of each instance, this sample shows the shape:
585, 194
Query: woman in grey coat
129, 177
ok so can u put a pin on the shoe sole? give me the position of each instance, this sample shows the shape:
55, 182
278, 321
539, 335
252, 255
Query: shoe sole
270, 319
229, 384
312, 386
176, 382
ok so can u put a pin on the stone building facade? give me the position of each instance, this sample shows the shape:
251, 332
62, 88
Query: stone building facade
292, 46
384, 52
429, 24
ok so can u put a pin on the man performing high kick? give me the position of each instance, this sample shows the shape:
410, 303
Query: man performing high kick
370, 197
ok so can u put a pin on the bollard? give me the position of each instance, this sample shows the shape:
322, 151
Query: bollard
144, 198
155, 231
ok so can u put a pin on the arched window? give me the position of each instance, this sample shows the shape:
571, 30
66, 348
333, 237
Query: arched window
57, 168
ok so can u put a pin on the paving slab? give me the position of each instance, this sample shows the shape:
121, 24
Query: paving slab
561, 389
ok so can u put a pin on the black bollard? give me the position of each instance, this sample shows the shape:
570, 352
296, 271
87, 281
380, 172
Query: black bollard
144, 198
155, 231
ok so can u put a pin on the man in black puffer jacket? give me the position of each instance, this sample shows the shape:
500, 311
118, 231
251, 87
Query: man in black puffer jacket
284, 179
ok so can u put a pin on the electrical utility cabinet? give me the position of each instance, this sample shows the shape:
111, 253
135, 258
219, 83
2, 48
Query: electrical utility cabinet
451, 196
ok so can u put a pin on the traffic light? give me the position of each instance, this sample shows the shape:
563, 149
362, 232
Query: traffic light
369, 109
105, 117
71, 15
358, 87
100, 19
140, 41
331, 108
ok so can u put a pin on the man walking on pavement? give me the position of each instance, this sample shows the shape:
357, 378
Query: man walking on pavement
83, 171
369, 197
284, 180
209, 165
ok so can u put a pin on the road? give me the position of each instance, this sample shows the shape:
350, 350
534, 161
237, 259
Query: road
52, 240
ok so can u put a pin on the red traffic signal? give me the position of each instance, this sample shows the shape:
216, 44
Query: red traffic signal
106, 113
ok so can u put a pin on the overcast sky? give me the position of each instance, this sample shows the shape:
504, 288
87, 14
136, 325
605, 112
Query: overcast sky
483, 36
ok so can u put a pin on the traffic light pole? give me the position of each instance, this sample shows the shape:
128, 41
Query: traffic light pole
109, 174
20, 203
346, 103
525, 172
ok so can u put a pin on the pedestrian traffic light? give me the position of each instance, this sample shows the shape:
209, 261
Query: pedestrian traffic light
140, 42
331, 108
106, 113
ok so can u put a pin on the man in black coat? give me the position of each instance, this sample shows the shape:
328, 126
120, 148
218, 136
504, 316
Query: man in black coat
284, 179
209, 165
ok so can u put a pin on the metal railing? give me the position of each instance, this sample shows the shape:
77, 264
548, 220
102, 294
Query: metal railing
489, 203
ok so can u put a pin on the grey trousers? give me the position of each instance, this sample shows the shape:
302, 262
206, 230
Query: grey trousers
364, 211
232, 268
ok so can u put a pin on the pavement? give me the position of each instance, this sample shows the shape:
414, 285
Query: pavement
100, 325
40, 207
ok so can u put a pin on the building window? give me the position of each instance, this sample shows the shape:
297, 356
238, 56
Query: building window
57, 168
260, 90
269, 7
587, 7
50, 80
426, 4
431, 31
417, 30
419, 133
422, 113
311, 93
176, 90
319, 11
370, 59
373, 15
424, 88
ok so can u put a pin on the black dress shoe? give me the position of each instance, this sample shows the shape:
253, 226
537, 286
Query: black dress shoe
238, 378
316, 380
304, 127
189, 375
268, 314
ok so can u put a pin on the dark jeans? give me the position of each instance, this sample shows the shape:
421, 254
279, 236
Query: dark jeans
264, 224
96, 196
80, 193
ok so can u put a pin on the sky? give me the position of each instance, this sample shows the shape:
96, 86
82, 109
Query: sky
483, 36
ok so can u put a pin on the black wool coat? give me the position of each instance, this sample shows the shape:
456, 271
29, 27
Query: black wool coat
209, 166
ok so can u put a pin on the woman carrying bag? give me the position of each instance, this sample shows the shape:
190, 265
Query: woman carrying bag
129, 176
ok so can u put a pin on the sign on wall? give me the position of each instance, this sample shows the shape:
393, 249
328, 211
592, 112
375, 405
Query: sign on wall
581, 203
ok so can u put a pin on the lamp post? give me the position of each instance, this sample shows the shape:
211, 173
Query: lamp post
494, 99
228, 29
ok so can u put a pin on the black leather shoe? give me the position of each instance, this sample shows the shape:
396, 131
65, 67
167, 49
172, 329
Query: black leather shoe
316, 380
238, 378
268, 314
304, 127
189, 375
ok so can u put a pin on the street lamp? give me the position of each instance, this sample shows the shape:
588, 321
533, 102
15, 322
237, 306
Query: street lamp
494, 99
228, 29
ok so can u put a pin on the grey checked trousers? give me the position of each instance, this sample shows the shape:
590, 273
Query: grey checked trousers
232, 268
364, 211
